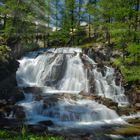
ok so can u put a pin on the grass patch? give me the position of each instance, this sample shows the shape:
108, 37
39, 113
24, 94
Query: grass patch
6, 135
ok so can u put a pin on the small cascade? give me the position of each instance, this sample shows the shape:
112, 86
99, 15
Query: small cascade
66, 110
106, 86
61, 74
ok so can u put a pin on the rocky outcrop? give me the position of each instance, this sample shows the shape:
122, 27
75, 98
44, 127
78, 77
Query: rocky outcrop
102, 53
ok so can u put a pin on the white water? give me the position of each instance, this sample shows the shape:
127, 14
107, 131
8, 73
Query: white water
105, 86
66, 111
64, 72
60, 71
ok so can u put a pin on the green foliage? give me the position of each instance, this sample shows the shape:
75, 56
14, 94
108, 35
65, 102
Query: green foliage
5, 135
133, 48
131, 73
24, 131
4, 53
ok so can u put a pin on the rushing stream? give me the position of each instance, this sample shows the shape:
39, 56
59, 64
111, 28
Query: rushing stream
62, 75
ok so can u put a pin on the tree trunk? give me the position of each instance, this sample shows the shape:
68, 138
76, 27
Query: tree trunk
89, 28
5, 20
136, 19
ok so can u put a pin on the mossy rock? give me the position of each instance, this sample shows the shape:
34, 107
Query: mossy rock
134, 121
127, 131
133, 129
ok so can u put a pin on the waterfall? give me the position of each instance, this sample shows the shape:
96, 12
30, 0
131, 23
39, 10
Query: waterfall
62, 74
105, 86
60, 70
75, 78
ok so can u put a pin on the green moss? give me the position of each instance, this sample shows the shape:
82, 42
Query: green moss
128, 130
133, 48
117, 62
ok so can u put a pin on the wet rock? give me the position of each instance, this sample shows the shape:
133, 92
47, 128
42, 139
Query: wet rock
3, 103
57, 71
49, 102
87, 64
101, 68
127, 130
134, 121
134, 97
109, 102
37, 128
116, 53
127, 110
87, 136
19, 112
38, 98
118, 78
12, 96
8, 110
2, 115
84, 93
8, 68
34, 90
18, 94
137, 105
47, 123
4, 122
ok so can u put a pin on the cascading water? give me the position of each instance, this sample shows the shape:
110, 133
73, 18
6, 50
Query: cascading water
105, 86
59, 72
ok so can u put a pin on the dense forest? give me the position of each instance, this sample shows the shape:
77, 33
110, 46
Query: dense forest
75, 23
106, 30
